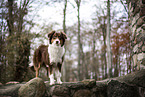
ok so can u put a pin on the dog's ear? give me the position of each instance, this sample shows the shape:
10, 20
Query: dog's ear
64, 35
50, 34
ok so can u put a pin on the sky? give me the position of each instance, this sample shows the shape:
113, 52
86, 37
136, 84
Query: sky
54, 12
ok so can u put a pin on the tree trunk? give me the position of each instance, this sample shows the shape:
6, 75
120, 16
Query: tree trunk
64, 16
2, 45
109, 54
64, 29
104, 52
137, 22
23, 61
22, 45
11, 48
10, 19
95, 65
78, 2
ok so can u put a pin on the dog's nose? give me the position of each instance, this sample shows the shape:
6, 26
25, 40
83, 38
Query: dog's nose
57, 42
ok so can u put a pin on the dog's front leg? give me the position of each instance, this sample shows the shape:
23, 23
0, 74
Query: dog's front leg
58, 73
51, 75
58, 76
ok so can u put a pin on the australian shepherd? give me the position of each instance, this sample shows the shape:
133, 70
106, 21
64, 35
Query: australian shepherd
51, 56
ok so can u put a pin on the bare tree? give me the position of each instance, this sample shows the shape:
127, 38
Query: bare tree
64, 29
78, 2
64, 16
17, 39
109, 54
3, 30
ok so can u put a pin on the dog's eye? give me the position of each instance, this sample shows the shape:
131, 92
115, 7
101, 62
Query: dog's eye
54, 37
59, 37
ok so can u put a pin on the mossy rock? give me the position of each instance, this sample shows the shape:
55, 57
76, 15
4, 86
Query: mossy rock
33, 88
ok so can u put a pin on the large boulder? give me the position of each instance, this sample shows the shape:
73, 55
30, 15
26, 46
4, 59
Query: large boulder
9, 90
33, 88
120, 89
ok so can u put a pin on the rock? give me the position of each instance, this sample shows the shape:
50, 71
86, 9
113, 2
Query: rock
118, 89
130, 85
134, 59
83, 93
135, 48
12, 82
89, 82
59, 91
33, 88
143, 48
141, 56
9, 90
140, 21
100, 90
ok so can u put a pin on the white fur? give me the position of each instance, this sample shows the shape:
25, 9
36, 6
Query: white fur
55, 53
51, 79
58, 76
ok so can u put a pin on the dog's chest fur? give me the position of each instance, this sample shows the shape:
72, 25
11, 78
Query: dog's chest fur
55, 53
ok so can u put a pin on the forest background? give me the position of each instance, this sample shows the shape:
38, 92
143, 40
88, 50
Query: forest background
25, 24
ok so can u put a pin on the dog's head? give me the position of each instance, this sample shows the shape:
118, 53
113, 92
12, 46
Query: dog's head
57, 38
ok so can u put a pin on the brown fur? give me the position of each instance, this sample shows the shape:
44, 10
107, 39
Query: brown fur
41, 58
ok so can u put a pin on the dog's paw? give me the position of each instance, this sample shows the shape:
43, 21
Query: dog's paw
59, 82
51, 83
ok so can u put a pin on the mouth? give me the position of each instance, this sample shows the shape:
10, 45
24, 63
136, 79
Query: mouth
57, 44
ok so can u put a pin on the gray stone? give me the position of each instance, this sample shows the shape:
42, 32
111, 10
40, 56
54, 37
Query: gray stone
136, 10
125, 86
134, 29
130, 7
140, 44
59, 91
143, 48
140, 21
134, 59
9, 90
140, 56
135, 19
89, 82
82, 93
135, 48
33, 88
139, 30
143, 62
142, 11
119, 89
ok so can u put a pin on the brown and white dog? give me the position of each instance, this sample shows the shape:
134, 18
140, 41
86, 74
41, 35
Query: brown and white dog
51, 56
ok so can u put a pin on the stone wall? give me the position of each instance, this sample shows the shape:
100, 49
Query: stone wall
137, 25
131, 85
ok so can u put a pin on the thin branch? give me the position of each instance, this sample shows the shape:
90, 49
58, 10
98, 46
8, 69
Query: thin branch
124, 6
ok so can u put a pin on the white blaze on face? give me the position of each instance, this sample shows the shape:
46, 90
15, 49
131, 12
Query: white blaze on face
56, 42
